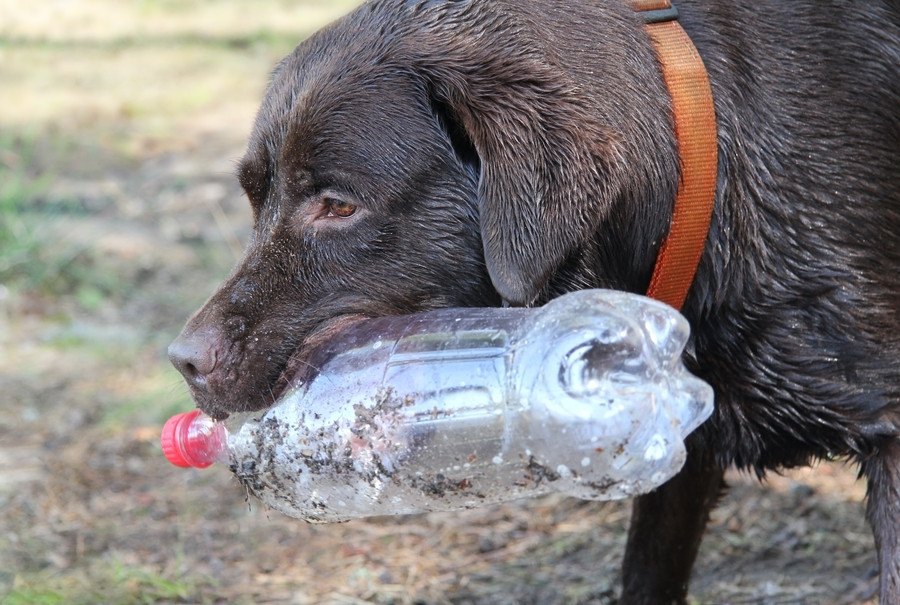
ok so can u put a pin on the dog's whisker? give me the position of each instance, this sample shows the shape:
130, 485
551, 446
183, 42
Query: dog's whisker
317, 369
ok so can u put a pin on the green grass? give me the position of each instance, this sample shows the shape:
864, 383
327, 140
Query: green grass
20, 238
36, 255
34, 596
108, 582
157, 396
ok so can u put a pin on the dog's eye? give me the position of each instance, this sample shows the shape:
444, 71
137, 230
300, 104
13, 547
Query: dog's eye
339, 209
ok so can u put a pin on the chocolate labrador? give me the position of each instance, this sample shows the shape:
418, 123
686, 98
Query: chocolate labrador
422, 154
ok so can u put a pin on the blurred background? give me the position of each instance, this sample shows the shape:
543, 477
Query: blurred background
120, 124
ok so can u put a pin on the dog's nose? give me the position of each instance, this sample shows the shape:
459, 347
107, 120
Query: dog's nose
195, 356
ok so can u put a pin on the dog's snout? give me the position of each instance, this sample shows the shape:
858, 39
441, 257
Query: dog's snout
195, 356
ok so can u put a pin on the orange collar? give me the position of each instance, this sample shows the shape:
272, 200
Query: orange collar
695, 130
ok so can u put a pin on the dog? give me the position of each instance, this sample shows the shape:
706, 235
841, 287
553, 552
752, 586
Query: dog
419, 154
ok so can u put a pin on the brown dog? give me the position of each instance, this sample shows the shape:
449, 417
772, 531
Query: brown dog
421, 154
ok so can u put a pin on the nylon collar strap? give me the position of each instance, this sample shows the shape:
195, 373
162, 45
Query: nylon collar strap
695, 130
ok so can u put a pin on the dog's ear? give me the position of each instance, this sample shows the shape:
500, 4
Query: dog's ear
544, 184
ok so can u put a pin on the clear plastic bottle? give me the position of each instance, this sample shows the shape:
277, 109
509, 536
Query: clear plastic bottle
459, 408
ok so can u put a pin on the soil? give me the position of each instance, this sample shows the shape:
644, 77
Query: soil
131, 229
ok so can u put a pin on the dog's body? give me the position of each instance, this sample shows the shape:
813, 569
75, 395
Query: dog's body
419, 154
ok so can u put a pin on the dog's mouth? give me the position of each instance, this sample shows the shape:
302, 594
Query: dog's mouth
301, 364
304, 363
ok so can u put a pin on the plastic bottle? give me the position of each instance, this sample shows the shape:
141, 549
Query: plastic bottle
459, 408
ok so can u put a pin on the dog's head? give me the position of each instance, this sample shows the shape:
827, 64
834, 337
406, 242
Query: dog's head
413, 155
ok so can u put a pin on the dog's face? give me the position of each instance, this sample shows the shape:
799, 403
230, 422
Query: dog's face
362, 207
396, 166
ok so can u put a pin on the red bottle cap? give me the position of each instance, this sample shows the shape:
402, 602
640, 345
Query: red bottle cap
189, 442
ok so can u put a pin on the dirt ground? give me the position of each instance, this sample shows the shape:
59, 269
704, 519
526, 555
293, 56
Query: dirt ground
119, 126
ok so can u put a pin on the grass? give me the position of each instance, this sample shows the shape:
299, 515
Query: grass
71, 250
108, 582
103, 20
139, 72
20, 238
55, 269
150, 399
31, 258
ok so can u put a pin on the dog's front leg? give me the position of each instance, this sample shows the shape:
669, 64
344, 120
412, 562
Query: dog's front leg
883, 472
666, 529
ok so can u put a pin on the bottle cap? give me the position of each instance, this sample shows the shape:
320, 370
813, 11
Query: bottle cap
186, 444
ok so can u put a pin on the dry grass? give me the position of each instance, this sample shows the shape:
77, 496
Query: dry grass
150, 21
144, 73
